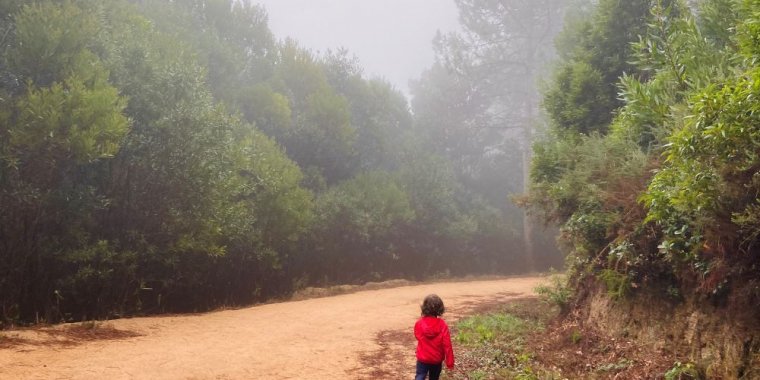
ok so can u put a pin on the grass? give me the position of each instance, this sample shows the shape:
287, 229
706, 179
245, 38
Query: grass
490, 327
492, 345
537, 339
683, 371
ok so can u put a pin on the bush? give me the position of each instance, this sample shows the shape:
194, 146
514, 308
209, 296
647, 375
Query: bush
618, 284
556, 293
683, 371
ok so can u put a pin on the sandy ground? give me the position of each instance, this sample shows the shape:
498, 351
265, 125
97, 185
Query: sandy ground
325, 338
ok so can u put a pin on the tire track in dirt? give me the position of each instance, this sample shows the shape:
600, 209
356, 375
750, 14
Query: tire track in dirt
351, 336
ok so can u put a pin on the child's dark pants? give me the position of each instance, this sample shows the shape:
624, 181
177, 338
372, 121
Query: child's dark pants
423, 369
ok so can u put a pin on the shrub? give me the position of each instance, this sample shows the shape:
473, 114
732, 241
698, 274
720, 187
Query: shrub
556, 293
683, 371
618, 284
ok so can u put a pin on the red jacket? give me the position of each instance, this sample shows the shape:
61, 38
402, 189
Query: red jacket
433, 341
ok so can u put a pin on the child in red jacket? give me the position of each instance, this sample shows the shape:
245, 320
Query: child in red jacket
433, 340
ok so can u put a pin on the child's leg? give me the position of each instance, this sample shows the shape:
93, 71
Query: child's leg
422, 370
435, 371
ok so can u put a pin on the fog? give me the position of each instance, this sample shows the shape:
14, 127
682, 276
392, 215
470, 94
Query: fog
171, 156
391, 38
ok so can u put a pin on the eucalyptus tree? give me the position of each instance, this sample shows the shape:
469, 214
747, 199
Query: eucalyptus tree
494, 65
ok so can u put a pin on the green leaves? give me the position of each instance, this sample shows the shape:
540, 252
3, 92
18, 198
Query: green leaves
119, 157
684, 145
174, 151
577, 100
582, 95
54, 42
69, 110
370, 205
70, 120
712, 160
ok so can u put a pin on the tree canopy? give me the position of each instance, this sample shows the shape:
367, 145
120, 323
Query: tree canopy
174, 156
657, 190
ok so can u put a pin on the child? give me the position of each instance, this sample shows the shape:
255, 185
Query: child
433, 340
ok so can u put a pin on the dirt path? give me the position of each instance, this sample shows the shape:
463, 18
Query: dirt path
324, 338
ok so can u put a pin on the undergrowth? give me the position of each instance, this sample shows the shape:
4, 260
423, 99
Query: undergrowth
493, 345
618, 284
683, 371
557, 293
531, 339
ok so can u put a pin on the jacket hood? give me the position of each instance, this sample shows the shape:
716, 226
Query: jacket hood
430, 326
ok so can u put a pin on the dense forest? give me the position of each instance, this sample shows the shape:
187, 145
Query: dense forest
651, 165
174, 155
167, 155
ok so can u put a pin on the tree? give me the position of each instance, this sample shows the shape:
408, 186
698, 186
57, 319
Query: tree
379, 113
321, 138
171, 156
65, 121
202, 195
358, 227
496, 62
595, 52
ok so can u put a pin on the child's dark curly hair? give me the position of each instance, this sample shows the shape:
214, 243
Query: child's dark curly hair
432, 306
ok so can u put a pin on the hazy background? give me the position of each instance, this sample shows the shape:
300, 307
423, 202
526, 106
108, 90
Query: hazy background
391, 38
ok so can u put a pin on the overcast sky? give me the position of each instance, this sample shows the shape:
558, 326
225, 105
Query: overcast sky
391, 38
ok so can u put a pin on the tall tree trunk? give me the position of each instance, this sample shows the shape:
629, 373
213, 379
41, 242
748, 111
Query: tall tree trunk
530, 260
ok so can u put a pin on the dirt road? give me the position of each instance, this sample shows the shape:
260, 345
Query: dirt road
325, 338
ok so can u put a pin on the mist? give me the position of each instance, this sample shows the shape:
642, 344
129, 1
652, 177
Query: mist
392, 39
183, 155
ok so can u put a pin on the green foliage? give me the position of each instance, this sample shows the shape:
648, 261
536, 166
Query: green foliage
487, 328
679, 58
681, 144
172, 156
618, 284
717, 20
683, 371
576, 337
268, 110
145, 194
54, 42
74, 119
711, 164
557, 293
621, 364
379, 113
321, 137
494, 345
748, 30
269, 183
429, 181
102, 282
357, 226
578, 101
582, 95
577, 182
369, 205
